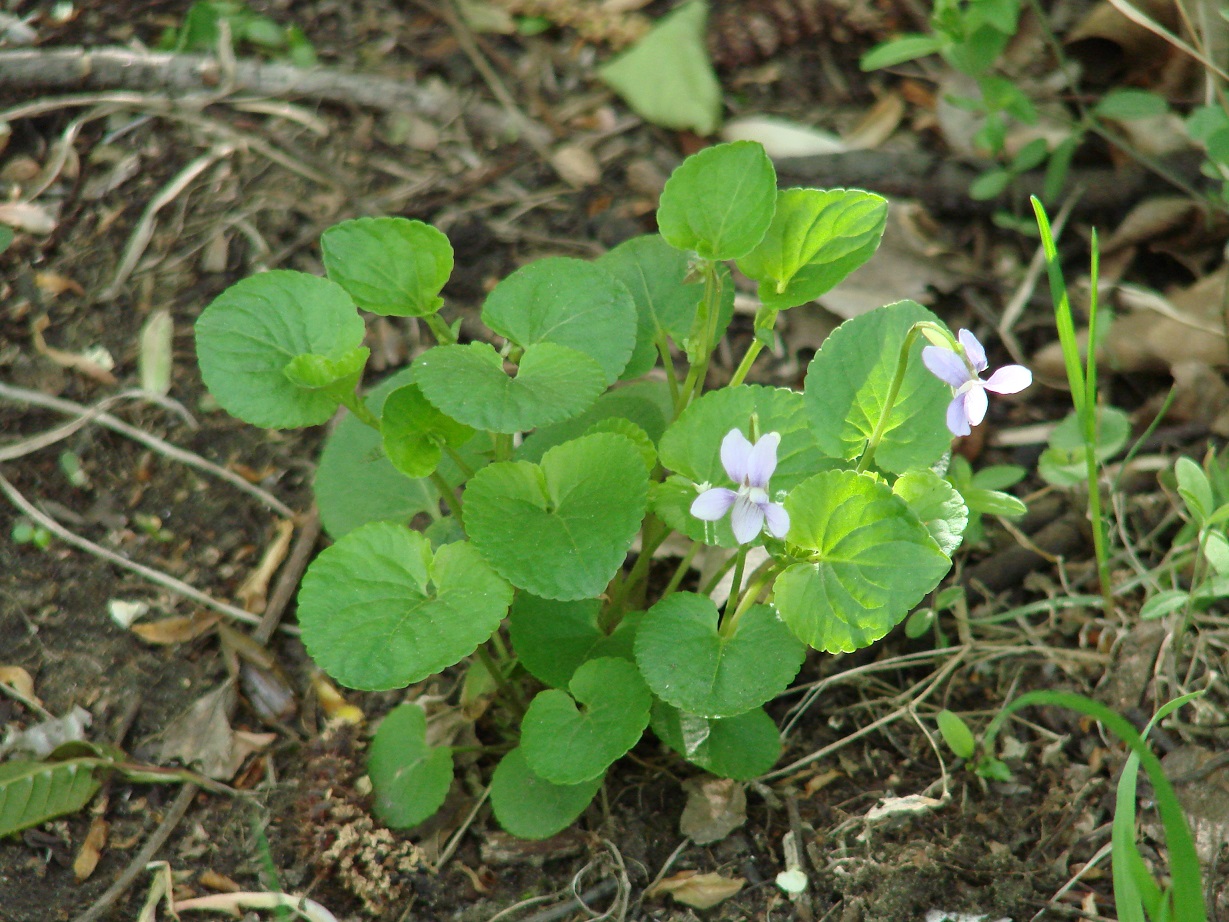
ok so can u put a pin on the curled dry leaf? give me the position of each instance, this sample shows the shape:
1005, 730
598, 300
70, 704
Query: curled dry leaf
178, 629
700, 891
335, 707
254, 591
21, 682
96, 366
91, 849
26, 216
715, 808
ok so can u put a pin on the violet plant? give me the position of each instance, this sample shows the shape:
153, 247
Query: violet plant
541, 477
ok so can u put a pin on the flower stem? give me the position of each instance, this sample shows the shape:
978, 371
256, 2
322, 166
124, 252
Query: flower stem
700, 351
651, 537
759, 579
510, 693
736, 584
356, 405
681, 570
448, 495
439, 329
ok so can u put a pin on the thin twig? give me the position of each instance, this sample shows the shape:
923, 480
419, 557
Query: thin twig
289, 575
155, 576
446, 854
162, 447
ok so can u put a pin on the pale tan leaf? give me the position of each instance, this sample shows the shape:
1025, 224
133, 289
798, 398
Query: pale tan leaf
177, 629
700, 891
26, 216
877, 125
715, 808
20, 680
91, 849
253, 592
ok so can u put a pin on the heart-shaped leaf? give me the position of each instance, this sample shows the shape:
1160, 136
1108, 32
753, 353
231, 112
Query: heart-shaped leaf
391, 266
410, 777
568, 302
529, 806
720, 201
689, 663
414, 432
560, 529
742, 747
552, 638
379, 611
816, 239
848, 381
248, 335
568, 745
868, 561
936, 504
468, 383
645, 403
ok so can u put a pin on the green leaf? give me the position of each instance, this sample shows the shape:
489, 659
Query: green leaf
378, 610
6, 237
1031, 155
1063, 462
666, 77
633, 434
34, 792
1164, 603
899, 50
720, 201
1127, 103
817, 237
468, 383
645, 403
936, 504
866, 561
990, 184
391, 266
337, 374
248, 335
414, 432
697, 668
568, 302
742, 747
1195, 489
529, 806
656, 275
992, 502
561, 529
568, 745
848, 380
410, 777
552, 639
956, 734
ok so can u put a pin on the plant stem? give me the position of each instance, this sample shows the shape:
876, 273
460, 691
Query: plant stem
448, 495
760, 579
652, 535
667, 363
1100, 527
699, 353
881, 426
681, 570
356, 405
455, 455
439, 329
510, 693
736, 584
744, 366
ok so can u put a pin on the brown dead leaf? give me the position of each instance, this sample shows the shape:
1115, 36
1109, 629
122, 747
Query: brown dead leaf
877, 125
179, 629
1111, 46
89, 366
700, 891
202, 736
219, 883
54, 284
26, 216
715, 808
254, 591
91, 849
21, 681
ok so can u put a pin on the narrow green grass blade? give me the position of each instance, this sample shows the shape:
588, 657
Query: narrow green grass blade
1062, 309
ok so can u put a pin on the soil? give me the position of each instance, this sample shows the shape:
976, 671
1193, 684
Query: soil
300, 820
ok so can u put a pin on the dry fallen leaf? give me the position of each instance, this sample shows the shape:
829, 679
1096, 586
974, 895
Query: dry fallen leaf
21, 681
700, 891
54, 284
202, 736
179, 629
91, 849
91, 365
335, 707
715, 808
253, 592
25, 216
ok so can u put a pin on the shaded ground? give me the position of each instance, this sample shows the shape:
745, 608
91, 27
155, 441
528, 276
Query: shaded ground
282, 177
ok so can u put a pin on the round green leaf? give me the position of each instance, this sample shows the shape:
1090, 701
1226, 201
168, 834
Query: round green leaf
567, 745
868, 561
378, 611
553, 638
742, 747
410, 777
937, 505
254, 329
340, 372
631, 432
645, 403
719, 202
529, 806
816, 239
413, 431
468, 383
568, 302
391, 266
848, 381
560, 529
688, 663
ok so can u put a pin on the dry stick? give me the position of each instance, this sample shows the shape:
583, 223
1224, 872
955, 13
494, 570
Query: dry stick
162, 447
135, 867
154, 576
288, 578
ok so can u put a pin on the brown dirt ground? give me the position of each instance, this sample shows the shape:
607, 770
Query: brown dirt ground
1000, 849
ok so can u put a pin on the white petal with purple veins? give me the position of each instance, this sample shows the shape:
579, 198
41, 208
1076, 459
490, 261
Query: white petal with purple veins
777, 518
975, 404
713, 504
763, 460
735, 454
946, 365
973, 349
747, 519
1010, 379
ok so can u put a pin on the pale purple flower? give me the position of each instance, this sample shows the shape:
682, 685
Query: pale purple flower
968, 407
749, 466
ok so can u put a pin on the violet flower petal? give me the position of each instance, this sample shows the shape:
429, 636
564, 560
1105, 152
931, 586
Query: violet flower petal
777, 518
946, 365
763, 460
973, 349
712, 504
1010, 379
957, 418
747, 519
735, 455
975, 404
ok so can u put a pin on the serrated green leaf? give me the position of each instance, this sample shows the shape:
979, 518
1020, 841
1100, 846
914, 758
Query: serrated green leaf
552, 639
250, 332
414, 432
666, 77
568, 302
817, 237
645, 403
936, 504
848, 382
529, 806
690, 664
391, 266
410, 777
338, 373
582, 506
868, 561
378, 610
34, 792
720, 201
567, 745
742, 747
469, 384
